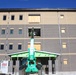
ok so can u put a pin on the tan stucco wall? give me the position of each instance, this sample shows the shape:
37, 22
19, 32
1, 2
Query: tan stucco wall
46, 18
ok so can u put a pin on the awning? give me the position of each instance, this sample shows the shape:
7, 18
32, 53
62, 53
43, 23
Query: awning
37, 54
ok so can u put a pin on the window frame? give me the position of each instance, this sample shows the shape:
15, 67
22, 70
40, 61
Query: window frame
20, 31
4, 17
12, 17
65, 61
20, 17
64, 45
63, 30
1, 46
30, 28
36, 45
10, 46
19, 46
32, 16
61, 16
11, 31
3, 31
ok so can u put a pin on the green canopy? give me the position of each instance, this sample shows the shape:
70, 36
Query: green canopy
37, 54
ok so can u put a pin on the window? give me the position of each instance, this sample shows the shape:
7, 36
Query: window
37, 46
1, 46
11, 31
63, 45
34, 18
61, 16
37, 32
20, 17
19, 47
12, 17
63, 30
3, 31
4, 17
20, 31
11, 46
65, 62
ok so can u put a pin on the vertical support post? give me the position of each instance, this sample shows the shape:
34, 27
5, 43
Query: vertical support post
50, 65
10, 68
40, 72
17, 67
57, 67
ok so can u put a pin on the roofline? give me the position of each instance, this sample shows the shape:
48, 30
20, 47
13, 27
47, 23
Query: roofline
35, 51
36, 9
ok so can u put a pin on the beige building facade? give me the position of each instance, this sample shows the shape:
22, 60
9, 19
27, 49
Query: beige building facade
56, 32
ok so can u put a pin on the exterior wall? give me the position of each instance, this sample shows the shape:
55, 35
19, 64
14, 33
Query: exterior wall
1, 18
46, 17
50, 42
51, 38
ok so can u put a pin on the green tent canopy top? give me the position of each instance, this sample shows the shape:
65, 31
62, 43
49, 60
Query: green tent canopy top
37, 54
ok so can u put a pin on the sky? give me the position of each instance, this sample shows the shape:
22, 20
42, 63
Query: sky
37, 3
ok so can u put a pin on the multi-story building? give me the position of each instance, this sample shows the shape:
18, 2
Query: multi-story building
56, 32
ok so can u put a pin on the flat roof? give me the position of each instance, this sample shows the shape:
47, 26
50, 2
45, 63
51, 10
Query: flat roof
36, 9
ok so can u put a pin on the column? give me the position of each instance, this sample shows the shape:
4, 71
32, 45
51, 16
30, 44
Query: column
50, 66
17, 67
57, 67
10, 67
40, 72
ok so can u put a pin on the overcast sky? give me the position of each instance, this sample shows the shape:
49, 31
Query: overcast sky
37, 3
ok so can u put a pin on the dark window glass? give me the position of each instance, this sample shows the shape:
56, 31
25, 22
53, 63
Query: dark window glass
20, 17
3, 31
4, 17
20, 31
1, 47
37, 32
10, 47
11, 31
19, 47
12, 17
